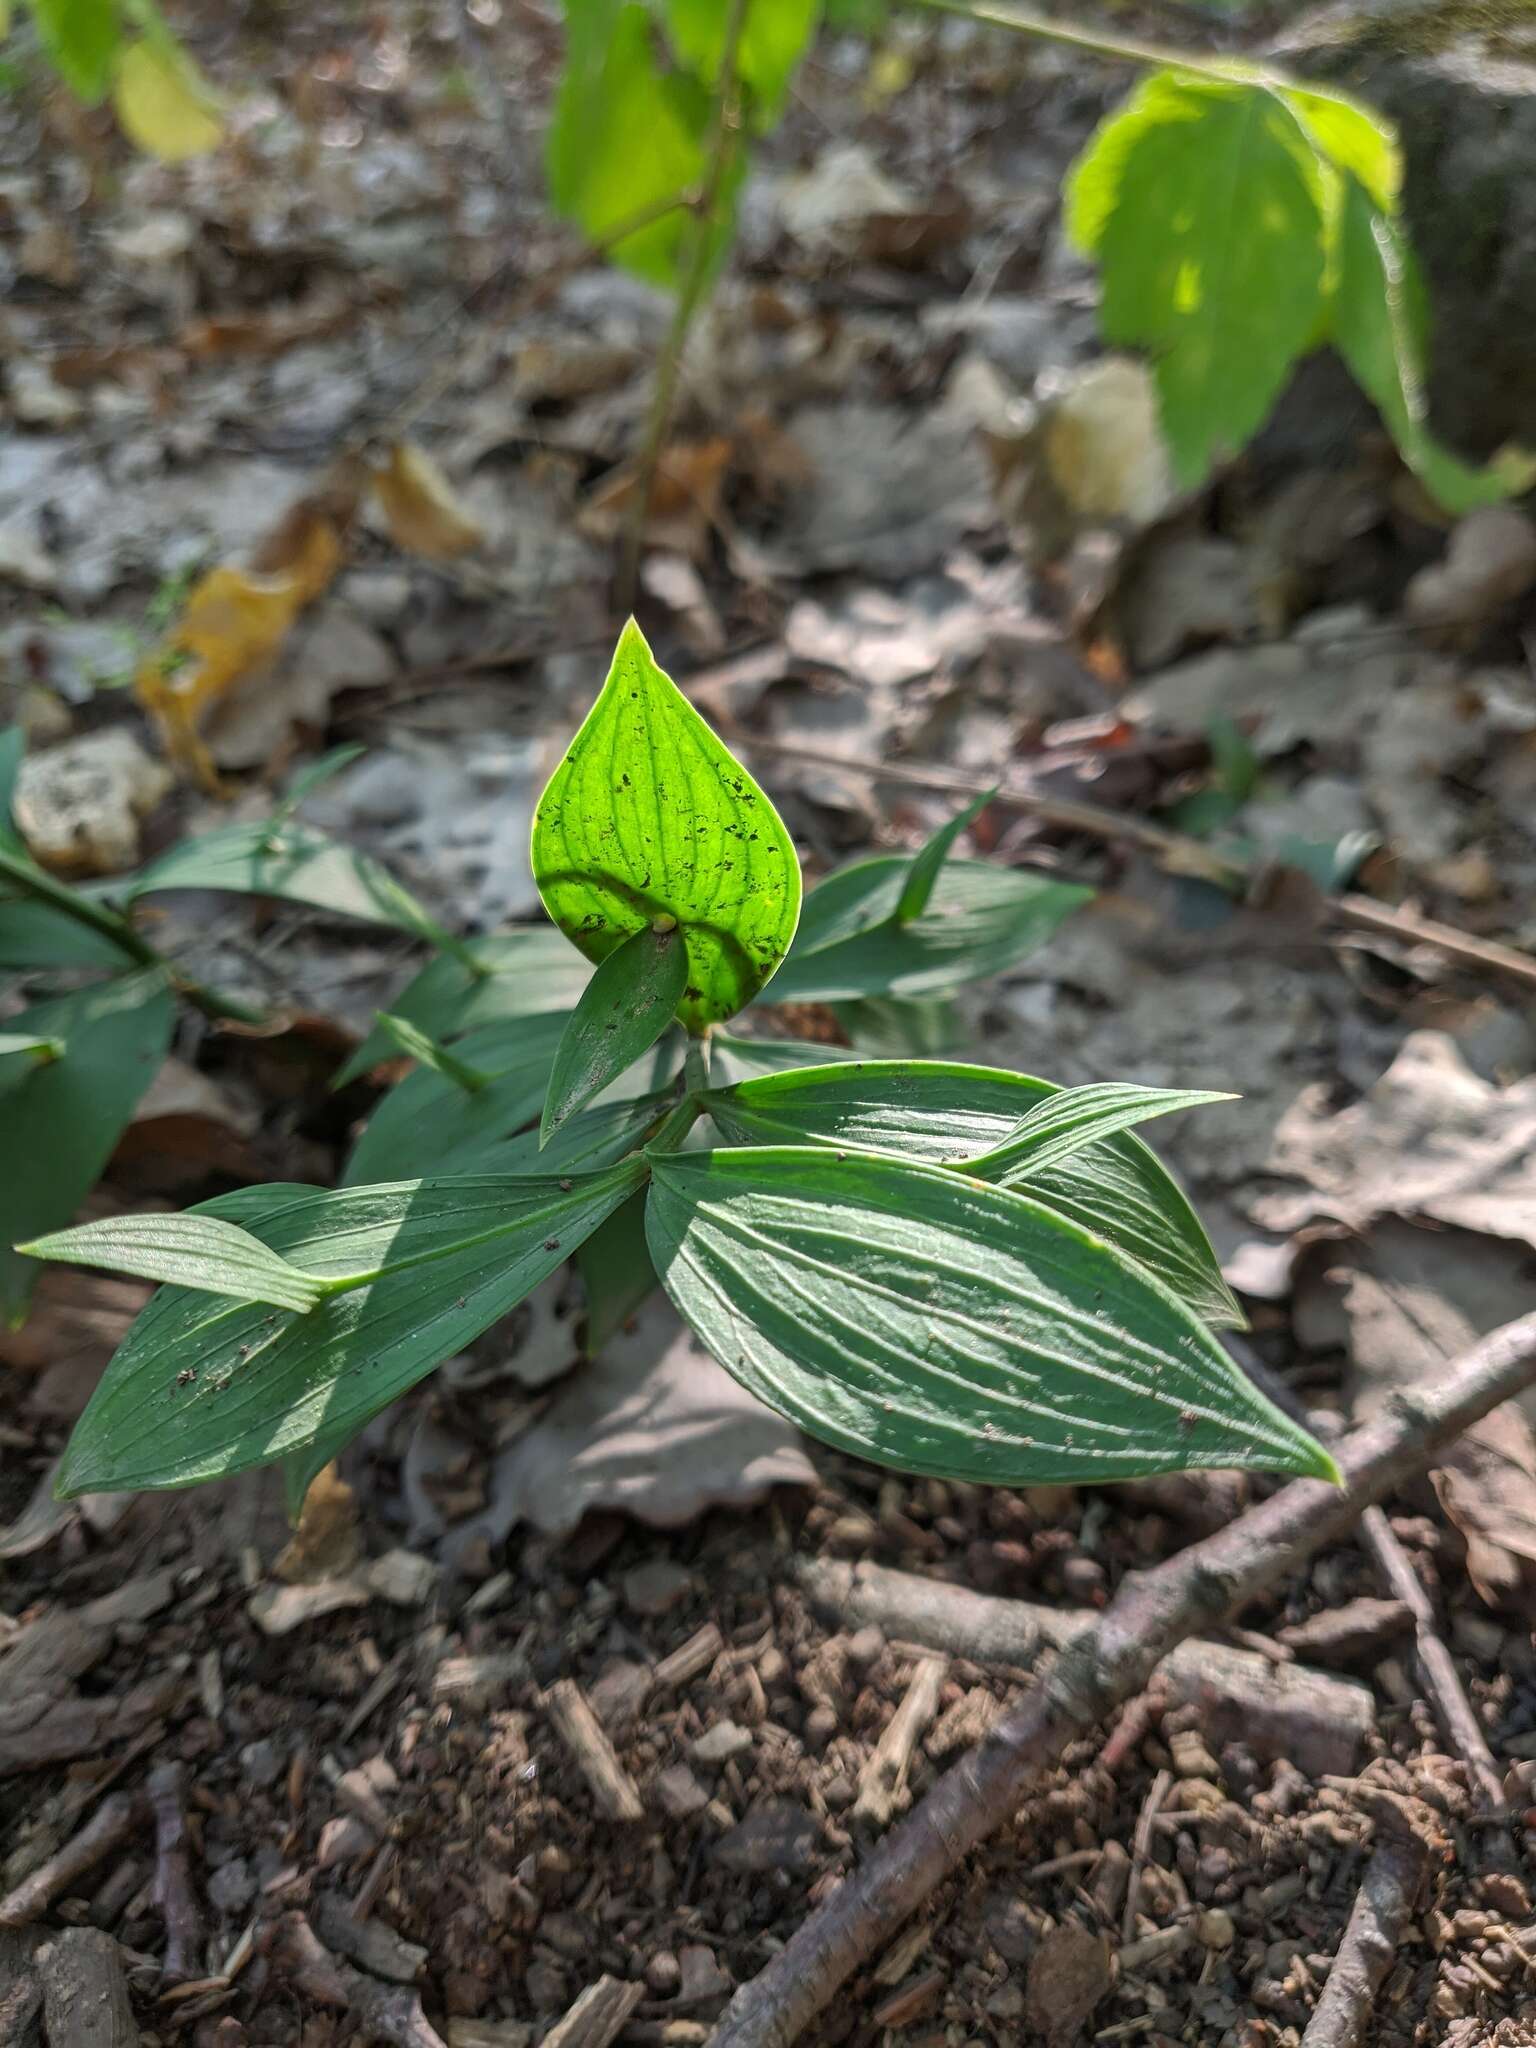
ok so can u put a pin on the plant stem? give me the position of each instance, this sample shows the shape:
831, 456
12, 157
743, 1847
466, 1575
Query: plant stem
114, 927
1096, 42
690, 297
696, 1066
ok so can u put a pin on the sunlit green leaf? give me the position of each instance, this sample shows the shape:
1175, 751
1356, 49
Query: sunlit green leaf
202, 1387
624, 136
193, 1251
649, 816
418, 1045
624, 1009
80, 39
1378, 328
1353, 138
291, 862
939, 1325
1203, 202
63, 1120
774, 37
945, 1112
1073, 1118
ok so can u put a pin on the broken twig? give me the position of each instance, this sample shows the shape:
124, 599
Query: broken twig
116, 1817
615, 1791
382, 2012
1107, 1664
173, 1872
1383, 1908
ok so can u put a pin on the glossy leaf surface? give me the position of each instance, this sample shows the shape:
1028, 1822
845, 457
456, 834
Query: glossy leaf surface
201, 1387
939, 1325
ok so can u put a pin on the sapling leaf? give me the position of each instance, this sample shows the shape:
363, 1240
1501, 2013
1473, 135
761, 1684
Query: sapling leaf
774, 36
193, 1251
1203, 201
926, 863
1073, 1118
945, 1112
626, 1006
63, 1119
650, 816
292, 862
418, 1045
515, 974
80, 39
202, 1387
940, 1325
980, 920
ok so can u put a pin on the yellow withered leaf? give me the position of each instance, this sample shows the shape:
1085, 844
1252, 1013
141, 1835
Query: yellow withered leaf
163, 103
419, 507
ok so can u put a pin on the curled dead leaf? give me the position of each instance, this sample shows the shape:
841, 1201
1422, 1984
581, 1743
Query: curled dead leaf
419, 507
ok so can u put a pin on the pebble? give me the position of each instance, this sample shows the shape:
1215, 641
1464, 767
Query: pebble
820, 1727
776, 1836
656, 1587
1191, 1758
719, 1744
261, 1763
232, 1886
678, 1792
663, 1973
342, 1840
1505, 1893
1215, 1928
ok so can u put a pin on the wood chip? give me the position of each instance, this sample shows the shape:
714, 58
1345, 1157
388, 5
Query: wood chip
599, 2013
369, 1943
615, 1791
883, 1780
690, 1659
85, 1992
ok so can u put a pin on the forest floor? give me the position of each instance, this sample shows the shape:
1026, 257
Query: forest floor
571, 1674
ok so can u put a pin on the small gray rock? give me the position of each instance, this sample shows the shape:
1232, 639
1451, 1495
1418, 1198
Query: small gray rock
777, 1836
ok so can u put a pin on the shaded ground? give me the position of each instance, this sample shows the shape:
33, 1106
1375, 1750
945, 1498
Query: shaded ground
915, 529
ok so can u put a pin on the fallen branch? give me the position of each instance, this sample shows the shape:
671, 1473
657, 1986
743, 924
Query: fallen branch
117, 1816
1383, 1909
383, 2012
173, 1872
1106, 1665
1173, 851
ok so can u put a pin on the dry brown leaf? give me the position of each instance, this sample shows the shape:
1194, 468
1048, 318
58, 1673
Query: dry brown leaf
1068, 1974
685, 499
327, 1543
419, 507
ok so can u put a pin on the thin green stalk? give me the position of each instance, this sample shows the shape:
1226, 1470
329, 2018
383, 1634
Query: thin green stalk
689, 298
1096, 42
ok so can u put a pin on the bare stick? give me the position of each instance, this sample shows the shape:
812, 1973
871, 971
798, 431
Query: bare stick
173, 1871
1141, 1849
1106, 1665
383, 2012
883, 1780
690, 296
1172, 850
1437, 1669
579, 1729
1383, 1908
117, 1816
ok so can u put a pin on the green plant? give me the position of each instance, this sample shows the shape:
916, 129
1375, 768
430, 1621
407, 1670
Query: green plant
124, 50
949, 1269
1239, 220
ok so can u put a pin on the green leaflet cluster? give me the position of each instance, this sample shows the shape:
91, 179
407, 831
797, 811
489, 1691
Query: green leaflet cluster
945, 1268
1240, 222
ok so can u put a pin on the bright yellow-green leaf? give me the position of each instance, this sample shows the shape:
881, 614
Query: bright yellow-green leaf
650, 816
1203, 201
1353, 139
163, 103
774, 37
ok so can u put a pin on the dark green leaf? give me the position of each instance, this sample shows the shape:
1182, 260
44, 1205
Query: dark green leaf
294, 864
1204, 203
938, 1325
13, 746
429, 1121
525, 972
981, 920
649, 816
627, 1005
616, 1272
34, 934
1073, 1118
200, 1387
63, 1120
624, 136
80, 39
902, 1027
600, 1136
193, 1251
744, 1059
774, 37
924, 871
1378, 328
944, 1112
